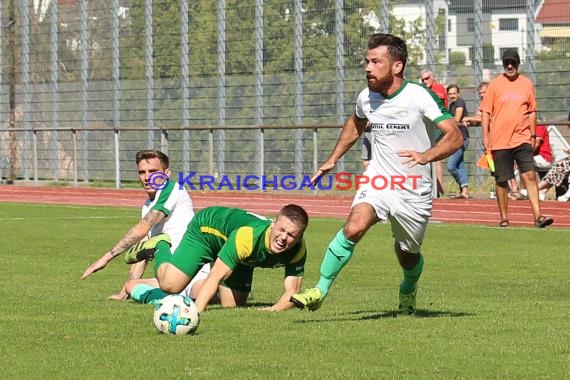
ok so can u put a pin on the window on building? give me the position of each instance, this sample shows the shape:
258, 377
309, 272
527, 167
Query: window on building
508, 24
470, 24
449, 26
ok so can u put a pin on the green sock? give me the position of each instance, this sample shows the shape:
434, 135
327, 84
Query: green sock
337, 255
162, 255
411, 277
144, 293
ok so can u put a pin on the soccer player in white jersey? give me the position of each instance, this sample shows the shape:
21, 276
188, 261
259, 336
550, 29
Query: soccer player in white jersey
400, 179
168, 209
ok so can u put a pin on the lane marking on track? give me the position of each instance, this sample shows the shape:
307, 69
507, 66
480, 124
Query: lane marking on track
59, 217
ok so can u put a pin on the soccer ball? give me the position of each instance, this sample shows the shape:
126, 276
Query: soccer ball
176, 314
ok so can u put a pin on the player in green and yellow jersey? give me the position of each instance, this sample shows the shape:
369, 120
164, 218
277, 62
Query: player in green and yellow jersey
235, 241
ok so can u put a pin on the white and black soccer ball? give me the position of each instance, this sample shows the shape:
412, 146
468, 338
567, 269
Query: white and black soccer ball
176, 314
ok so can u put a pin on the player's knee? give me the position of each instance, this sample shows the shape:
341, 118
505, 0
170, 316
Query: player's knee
171, 286
130, 286
407, 260
354, 232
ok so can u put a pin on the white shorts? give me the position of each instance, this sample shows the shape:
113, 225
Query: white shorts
201, 275
408, 216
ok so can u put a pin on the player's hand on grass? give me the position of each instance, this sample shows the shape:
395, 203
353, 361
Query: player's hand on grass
413, 158
121, 296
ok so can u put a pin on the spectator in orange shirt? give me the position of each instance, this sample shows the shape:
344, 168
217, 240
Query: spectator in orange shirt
508, 124
428, 79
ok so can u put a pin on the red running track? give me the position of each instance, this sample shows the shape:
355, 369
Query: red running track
470, 211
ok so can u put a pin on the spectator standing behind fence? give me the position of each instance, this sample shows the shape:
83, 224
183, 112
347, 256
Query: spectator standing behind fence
428, 79
476, 118
456, 162
508, 124
513, 189
366, 146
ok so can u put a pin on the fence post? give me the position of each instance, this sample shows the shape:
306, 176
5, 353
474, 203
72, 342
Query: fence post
164, 141
74, 137
54, 88
84, 38
211, 152
315, 152
149, 72
117, 160
116, 89
298, 70
261, 157
35, 155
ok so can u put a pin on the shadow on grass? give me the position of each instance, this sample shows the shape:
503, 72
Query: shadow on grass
248, 305
258, 304
420, 313
368, 315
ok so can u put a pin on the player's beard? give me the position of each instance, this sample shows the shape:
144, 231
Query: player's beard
381, 84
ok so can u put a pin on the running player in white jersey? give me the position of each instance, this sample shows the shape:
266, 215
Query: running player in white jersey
399, 187
168, 209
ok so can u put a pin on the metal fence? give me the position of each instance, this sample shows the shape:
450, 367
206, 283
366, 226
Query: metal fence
112, 153
236, 86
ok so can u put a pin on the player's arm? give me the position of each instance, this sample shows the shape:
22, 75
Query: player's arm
351, 131
292, 285
135, 234
219, 272
450, 141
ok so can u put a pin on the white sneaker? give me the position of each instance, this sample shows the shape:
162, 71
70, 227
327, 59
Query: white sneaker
524, 192
563, 198
541, 196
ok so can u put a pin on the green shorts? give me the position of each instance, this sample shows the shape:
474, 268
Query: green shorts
198, 248
240, 279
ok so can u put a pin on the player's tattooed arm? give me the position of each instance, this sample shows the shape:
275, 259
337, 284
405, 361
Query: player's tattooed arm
138, 232
134, 235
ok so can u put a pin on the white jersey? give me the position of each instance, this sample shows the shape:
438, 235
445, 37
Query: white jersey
176, 204
399, 122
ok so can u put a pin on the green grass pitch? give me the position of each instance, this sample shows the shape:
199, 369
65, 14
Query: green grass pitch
493, 304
